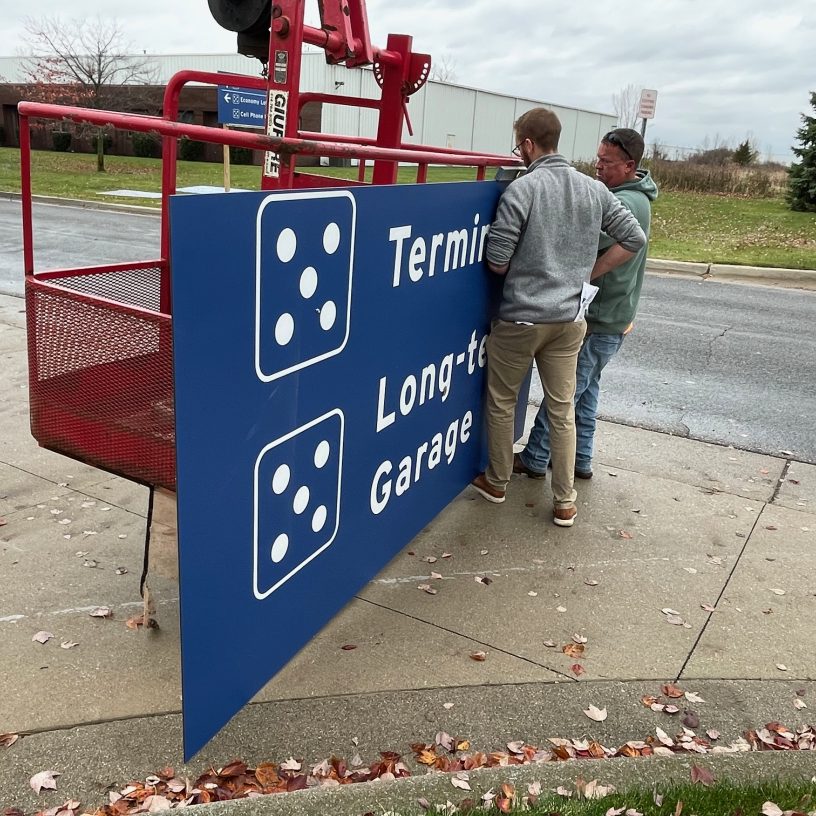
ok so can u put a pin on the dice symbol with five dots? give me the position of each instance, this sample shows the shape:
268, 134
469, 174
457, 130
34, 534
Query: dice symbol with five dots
304, 264
297, 500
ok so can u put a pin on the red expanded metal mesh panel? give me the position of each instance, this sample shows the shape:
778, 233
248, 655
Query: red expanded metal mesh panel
101, 373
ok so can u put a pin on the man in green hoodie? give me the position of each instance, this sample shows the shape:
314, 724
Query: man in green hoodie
610, 315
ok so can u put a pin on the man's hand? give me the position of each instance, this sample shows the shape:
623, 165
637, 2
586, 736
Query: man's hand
499, 270
614, 256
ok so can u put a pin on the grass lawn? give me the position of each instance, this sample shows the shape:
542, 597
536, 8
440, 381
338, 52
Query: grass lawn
721, 799
686, 226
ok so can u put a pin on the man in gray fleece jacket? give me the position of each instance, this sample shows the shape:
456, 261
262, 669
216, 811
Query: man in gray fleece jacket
545, 241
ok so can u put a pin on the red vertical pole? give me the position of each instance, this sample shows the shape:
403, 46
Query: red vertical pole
361, 170
169, 153
285, 47
422, 173
25, 189
389, 129
480, 172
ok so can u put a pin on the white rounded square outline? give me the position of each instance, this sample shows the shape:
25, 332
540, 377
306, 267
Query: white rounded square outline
331, 353
260, 595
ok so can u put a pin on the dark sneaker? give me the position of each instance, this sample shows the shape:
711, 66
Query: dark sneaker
565, 516
486, 490
579, 474
520, 467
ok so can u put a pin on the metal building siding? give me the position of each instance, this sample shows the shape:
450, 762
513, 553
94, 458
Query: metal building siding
448, 119
493, 123
475, 119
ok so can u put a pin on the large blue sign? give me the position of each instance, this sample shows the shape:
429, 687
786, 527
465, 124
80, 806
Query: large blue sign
329, 359
241, 106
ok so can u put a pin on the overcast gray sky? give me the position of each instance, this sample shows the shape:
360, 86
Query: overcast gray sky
724, 69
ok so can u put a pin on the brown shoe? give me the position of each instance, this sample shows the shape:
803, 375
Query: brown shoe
565, 516
487, 491
520, 467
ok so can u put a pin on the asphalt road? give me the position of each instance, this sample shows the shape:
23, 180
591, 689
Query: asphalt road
720, 362
66, 237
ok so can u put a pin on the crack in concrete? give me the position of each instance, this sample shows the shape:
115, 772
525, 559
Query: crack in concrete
722, 593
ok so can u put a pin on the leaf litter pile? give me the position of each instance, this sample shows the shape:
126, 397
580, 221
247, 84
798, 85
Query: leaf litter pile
236, 780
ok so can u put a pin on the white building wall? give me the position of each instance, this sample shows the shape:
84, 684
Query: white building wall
441, 114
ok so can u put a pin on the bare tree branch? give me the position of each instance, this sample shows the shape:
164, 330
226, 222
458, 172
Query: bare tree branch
444, 69
626, 104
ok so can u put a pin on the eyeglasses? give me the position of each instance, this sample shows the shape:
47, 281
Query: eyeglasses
516, 151
613, 139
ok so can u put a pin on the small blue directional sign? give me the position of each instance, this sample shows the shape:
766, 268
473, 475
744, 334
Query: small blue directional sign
241, 106
329, 368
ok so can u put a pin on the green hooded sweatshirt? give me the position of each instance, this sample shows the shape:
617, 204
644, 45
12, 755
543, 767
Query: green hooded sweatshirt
614, 307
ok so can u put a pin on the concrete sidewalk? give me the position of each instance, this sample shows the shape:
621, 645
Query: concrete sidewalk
666, 523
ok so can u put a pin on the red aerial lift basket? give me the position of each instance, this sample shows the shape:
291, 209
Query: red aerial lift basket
99, 338
101, 370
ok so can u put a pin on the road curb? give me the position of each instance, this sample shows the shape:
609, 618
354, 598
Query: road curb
401, 796
732, 273
133, 209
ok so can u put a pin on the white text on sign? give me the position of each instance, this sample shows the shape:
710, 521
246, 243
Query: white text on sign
462, 247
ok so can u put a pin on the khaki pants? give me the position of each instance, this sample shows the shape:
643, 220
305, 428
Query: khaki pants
511, 348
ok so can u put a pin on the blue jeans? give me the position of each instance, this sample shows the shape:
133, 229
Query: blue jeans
596, 352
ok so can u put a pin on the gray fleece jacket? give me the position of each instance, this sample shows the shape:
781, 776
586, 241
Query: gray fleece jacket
547, 227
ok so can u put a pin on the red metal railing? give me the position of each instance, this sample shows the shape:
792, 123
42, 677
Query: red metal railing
100, 337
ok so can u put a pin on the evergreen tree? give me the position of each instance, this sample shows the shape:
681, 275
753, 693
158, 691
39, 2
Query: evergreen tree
744, 154
801, 194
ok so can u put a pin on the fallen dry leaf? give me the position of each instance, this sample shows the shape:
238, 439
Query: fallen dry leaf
771, 809
797, 703
348, 647
779, 591
101, 612
428, 589
573, 649
560, 608
291, 764
595, 713
625, 534
460, 781
708, 607
579, 638
670, 690
483, 579
7, 740
675, 620
693, 697
591, 582
781, 667
550, 644
577, 669
44, 780
701, 775
478, 656
42, 637
138, 621
436, 576
68, 644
